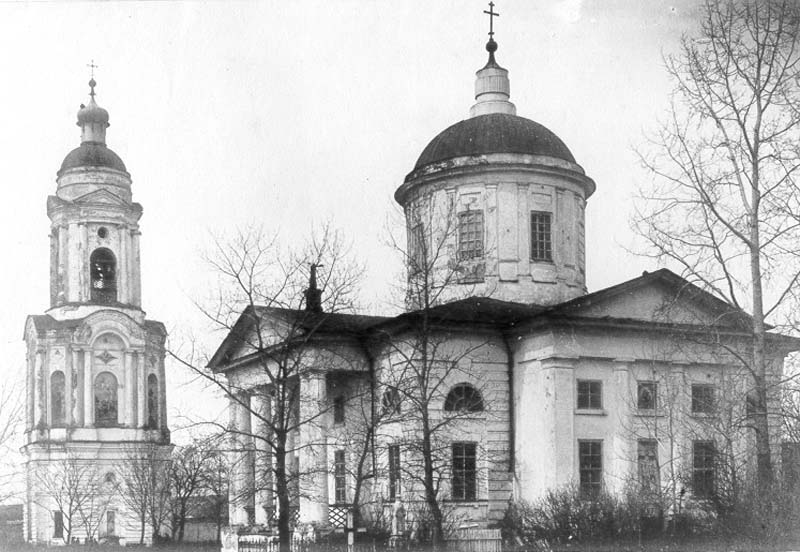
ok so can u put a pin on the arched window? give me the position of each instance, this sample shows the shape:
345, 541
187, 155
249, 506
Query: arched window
391, 402
105, 400
57, 410
463, 398
103, 268
152, 401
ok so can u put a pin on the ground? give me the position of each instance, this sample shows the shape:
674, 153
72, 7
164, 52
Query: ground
659, 545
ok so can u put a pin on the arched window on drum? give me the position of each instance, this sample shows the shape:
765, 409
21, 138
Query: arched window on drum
152, 401
105, 400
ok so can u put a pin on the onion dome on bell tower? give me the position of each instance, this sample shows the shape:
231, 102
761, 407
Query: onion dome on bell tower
499, 200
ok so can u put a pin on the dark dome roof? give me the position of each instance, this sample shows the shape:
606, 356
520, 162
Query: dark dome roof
92, 155
494, 133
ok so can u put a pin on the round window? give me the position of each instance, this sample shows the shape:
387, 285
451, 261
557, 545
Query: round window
102, 232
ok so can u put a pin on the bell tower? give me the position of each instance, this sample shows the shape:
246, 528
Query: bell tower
94, 224
96, 395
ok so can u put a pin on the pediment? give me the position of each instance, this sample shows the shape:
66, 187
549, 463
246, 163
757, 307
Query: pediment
101, 197
661, 297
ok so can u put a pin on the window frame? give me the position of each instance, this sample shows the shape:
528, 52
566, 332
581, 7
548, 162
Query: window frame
464, 398
590, 476
541, 234
701, 403
339, 476
395, 473
464, 471
106, 421
338, 408
704, 472
391, 403
58, 524
111, 522
649, 474
642, 388
153, 400
471, 232
103, 277
588, 394
418, 251
58, 405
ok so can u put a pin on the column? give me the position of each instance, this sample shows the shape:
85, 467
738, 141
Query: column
62, 280
77, 380
38, 386
313, 450
83, 262
88, 394
68, 386
241, 483
141, 390
260, 402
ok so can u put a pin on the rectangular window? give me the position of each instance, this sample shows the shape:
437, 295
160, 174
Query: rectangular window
590, 394
394, 471
58, 524
649, 476
646, 395
470, 235
339, 477
703, 473
417, 250
111, 522
702, 399
541, 238
464, 471
338, 410
590, 462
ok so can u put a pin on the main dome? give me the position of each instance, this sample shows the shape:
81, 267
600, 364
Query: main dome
92, 155
494, 133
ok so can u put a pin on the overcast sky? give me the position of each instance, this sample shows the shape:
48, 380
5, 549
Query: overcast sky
294, 113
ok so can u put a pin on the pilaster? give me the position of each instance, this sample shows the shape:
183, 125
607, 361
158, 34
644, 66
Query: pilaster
559, 375
88, 391
39, 399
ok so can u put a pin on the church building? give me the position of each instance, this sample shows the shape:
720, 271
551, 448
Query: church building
95, 365
528, 382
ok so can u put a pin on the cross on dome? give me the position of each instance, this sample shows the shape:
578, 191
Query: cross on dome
92, 82
492, 14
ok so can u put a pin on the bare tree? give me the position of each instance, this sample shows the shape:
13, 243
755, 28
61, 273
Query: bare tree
188, 475
93, 510
146, 487
11, 417
67, 484
270, 304
427, 358
724, 202
216, 479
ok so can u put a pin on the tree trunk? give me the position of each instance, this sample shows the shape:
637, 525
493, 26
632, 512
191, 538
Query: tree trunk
282, 490
761, 422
